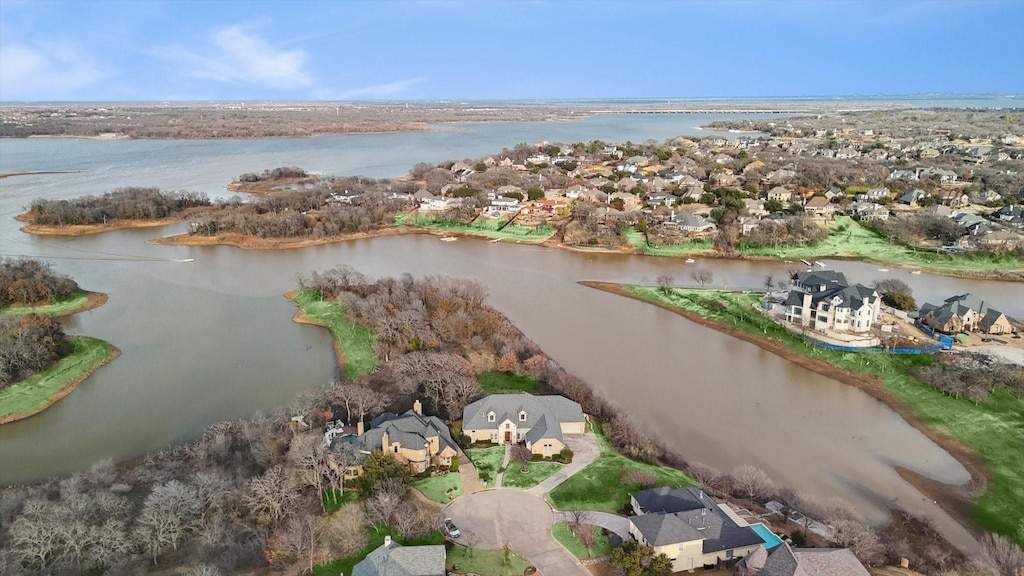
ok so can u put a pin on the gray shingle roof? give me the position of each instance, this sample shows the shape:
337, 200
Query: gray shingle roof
698, 518
397, 560
556, 409
411, 430
671, 499
786, 561
816, 280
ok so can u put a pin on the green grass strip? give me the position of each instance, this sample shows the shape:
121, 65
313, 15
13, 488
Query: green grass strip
637, 240
536, 472
506, 382
486, 461
486, 562
599, 485
33, 394
481, 227
566, 537
993, 428
334, 500
62, 306
356, 342
442, 488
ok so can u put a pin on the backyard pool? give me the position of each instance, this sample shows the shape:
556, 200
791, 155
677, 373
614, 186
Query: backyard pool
769, 537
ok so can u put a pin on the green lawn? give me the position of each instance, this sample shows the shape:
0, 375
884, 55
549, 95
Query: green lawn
377, 533
334, 500
61, 306
463, 560
566, 537
536, 472
506, 382
994, 428
480, 227
695, 246
599, 486
848, 238
487, 461
356, 342
442, 488
30, 394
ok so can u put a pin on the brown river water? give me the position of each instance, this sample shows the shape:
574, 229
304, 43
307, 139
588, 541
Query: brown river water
212, 340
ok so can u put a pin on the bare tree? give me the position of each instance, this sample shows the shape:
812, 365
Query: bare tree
308, 455
751, 482
861, 540
414, 522
708, 477
576, 518
346, 530
170, 514
301, 536
702, 276
521, 455
665, 282
769, 282
644, 478
587, 535
368, 401
1005, 554
271, 496
385, 502
341, 457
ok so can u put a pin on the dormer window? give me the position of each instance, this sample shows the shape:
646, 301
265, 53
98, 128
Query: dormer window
490, 416
522, 416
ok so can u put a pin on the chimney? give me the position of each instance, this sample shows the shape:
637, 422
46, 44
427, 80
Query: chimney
417, 407
360, 428
387, 541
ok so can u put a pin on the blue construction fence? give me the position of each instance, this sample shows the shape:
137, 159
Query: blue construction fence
927, 350
946, 341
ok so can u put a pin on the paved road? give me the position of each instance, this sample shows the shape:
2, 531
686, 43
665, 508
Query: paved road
611, 522
492, 518
585, 450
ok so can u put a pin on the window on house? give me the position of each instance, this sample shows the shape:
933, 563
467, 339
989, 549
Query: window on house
396, 449
490, 416
522, 416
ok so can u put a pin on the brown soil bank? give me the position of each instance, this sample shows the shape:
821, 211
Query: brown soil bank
64, 391
267, 187
955, 500
87, 229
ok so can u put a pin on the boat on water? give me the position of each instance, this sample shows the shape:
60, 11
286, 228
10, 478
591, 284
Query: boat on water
883, 269
690, 260
806, 263
449, 239
495, 241
820, 264
915, 271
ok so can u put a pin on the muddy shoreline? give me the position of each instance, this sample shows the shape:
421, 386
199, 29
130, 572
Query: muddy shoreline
957, 501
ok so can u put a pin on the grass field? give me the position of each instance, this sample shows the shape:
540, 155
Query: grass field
356, 342
848, 238
480, 227
506, 383
31, 394
636, 239
566, 537
60, 307
487, 461
376, 533
440, 488
462, 560
536, 472
994, 428
334, 500
599, 486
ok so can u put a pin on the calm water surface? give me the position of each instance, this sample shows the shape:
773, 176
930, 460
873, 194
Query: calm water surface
213, 339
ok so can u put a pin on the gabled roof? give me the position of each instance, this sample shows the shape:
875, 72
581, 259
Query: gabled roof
687, 514
786, 561
816, 279
410, 430
397, 560
671, 499
553, 409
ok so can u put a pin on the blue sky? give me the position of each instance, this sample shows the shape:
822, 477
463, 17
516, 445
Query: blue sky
176, 50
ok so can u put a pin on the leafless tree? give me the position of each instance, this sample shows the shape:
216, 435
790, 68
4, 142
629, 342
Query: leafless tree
587, 535
861, 540
413, 521
520, 454
271, 496
308, 455
708, 477
170, 514
644, 478
368, 401
751, 482
1005, 554
702, 276
342, 456
300, 537
385, 502
576, 518
665, 282
204, 570
769, 282
346, 530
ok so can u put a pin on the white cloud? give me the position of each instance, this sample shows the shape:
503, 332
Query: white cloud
389, 89
47, 71
236, 55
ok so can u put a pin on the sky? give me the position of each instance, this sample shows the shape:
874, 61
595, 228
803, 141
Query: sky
557, 49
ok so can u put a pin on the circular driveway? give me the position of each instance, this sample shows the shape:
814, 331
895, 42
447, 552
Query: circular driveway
492, 518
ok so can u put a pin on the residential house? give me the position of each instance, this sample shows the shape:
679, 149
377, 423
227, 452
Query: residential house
502, 204
877, 194
393, 559
418, 441
780, 175
629, 200
986, 197
430, 203
938, 210
786, 561
754, 207
539, 421
905, 175
661, 200
780, 194
941, 174
823, 300
870, 212
690, 528
820, 206
539, 158
1012, 215
689, 222
964, 313
913, 197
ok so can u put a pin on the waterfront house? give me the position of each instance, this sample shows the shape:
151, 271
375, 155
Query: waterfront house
824, 301
913, 197
689, 222
393, 559
820, 206
539, 421
420, 442
964, 313
690, 528
785, 561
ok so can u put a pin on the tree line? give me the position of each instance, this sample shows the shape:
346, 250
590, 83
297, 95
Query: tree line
131, 203
29, 344
27, 282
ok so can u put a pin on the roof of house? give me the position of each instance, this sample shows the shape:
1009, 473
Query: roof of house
410, 430
821, 279
543, 412
670, 499
817, 202
708, 523
396, 560
990, 318
786, 561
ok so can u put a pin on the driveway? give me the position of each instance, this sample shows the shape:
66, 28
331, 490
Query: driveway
611, 522
584, 449
492, 518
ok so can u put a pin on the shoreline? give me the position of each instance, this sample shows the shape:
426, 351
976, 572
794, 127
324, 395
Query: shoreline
35, 172
950, 498
92, 300
300, 317
74, 230
64, 390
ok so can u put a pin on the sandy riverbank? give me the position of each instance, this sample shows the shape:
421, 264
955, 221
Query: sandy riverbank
87, 229
957, 501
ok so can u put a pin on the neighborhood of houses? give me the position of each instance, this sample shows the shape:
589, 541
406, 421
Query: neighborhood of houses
692, 529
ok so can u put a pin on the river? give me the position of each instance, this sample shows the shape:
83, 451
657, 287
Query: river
213, 339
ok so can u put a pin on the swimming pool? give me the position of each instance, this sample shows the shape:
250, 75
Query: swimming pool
769, 537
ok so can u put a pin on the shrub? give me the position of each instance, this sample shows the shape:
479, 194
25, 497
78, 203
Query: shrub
798, 537
536, 457
566, 455
644, 478
455, 463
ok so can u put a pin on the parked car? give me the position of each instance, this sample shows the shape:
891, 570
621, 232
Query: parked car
451, 529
